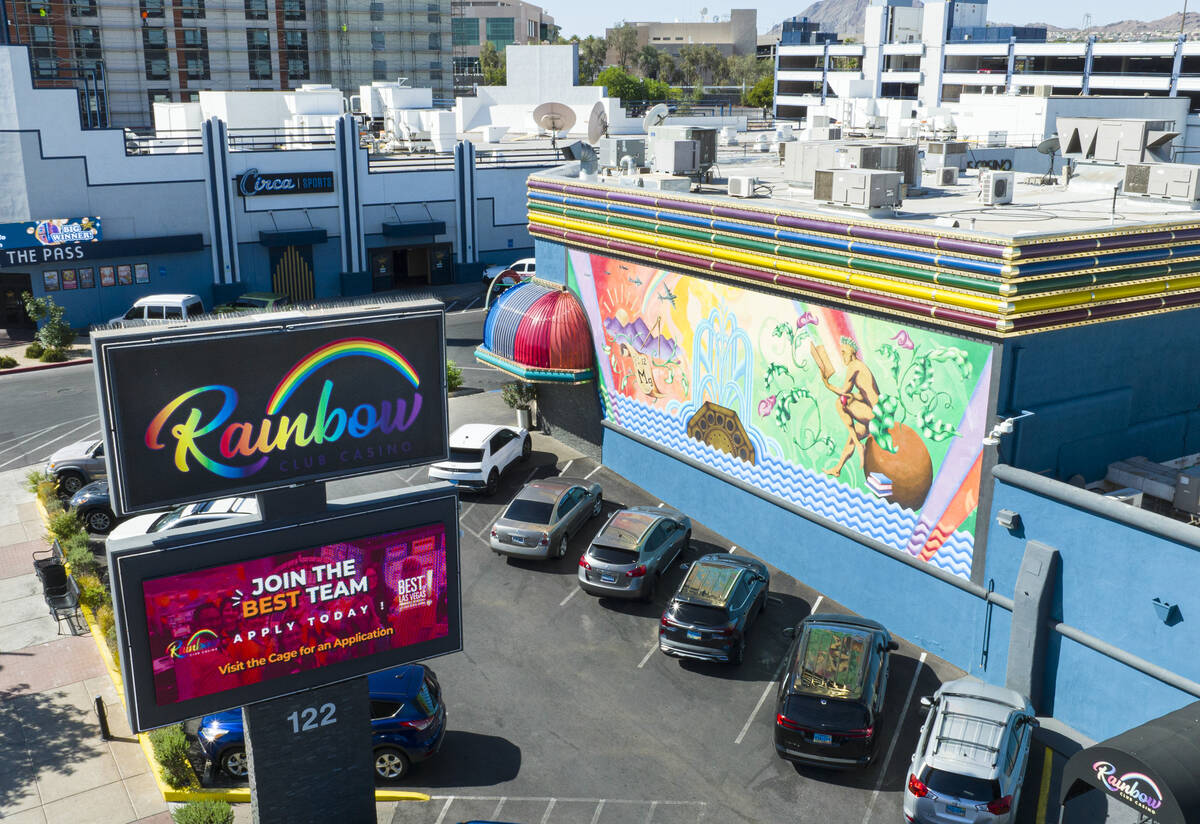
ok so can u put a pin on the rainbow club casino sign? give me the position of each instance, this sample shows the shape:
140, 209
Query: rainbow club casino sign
204, 410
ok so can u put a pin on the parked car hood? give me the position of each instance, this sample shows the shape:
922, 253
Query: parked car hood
137, 525
74, 451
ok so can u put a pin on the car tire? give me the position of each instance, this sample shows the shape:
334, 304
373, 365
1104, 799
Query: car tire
526, 448
493, 482
391, 764
69, 483
234, 762
598, 508
739, 654
98, 521
561, 552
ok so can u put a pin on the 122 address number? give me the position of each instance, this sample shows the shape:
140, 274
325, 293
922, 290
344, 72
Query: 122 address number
310, 718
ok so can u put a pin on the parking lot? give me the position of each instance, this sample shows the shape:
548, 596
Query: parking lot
562, 709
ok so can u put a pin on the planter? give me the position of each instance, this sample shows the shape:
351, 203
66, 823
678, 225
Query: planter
523, 418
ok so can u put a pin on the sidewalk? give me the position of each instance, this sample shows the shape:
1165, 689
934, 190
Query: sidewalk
56, 767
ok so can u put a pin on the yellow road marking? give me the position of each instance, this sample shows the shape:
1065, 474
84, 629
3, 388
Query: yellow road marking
1047, 768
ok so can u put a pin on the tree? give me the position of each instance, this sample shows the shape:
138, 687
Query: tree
746, 69
491, 64
623, 40
55, 334
620, 83
701, 64
762, 95
668, 72
592, 51
648, 61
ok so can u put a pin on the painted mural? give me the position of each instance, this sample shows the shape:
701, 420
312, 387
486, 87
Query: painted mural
876, 424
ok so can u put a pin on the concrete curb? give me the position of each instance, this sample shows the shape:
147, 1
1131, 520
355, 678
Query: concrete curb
236, 795
17, 370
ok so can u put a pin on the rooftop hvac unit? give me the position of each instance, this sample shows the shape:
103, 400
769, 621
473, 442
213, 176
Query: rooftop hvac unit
947, 176
705, 136
996, 188
1137, 179
825, 133
742, 186
1155, 479
946, 153
1174, 181
858, 188
610, 150
676, 157
1187, 491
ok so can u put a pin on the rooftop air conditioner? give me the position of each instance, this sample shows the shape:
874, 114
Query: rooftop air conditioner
858, 188
947, 176
996, 188
1137, 179
742, 186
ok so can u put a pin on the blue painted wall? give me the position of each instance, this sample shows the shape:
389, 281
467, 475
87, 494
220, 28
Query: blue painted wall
1103, 393
188, 272
255, 262
937, 616
1110, 573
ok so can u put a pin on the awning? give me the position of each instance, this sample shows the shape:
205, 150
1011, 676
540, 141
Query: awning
292, 237
1154, 768
537, 332
416, 228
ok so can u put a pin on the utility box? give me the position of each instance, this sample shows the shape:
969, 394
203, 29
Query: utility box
705, 137
676, 157
941, 154
610, 150
1187, 491
858, 188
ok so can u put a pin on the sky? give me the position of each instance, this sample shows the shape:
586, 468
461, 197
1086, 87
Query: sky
583, 19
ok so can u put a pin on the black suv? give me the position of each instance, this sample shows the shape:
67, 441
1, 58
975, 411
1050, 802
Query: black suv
709, 615
828, 708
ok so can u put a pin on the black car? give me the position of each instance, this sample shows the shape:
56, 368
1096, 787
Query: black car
709, 615
830, 700
92, 505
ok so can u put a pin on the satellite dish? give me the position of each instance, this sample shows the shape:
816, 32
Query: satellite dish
1048, 147
655, 117
554, 118
597, 123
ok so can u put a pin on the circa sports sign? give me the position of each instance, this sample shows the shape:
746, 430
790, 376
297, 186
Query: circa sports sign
252, 182
202, 411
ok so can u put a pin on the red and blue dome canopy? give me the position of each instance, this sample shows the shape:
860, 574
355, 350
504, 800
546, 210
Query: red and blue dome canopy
537, 331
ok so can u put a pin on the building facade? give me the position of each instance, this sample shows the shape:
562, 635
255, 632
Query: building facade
123, 57
939, 52
500, 22
736, 35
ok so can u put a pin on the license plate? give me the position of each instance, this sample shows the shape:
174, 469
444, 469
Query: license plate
822, 738
608, 579
693, 635
954, 809
517, 539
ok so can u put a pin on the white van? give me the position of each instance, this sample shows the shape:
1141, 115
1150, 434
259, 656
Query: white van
163, 307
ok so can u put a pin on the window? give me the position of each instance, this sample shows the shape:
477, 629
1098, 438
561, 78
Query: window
42, 35
38, 8
45, 66
154, 39
376, 11
195, 53
531, 30
195, 38
435, 74
87, 46
293, 10
83, 8
379, 70
500, 440
256, 9
466, 65
154, 45
296, 52
377, 41
435, 42
191, 10
384, 709
196, 67
435, 17
258, 50
500, 30
158, 96
152, 8
464, 31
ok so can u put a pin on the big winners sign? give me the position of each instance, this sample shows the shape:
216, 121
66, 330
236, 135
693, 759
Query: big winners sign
203, 411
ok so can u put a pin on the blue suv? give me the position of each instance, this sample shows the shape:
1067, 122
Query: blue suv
408, 723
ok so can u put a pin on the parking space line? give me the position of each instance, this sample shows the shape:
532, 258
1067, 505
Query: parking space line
588, 476
816, 605
650, 814
549, 809
761, 699
499, 806
571, 595
568, 466
47, 443
30, 436
445, 809
661, 504
469, 305
462, 516
732, 548
1044, 792
649, 652
887, 759
599, 809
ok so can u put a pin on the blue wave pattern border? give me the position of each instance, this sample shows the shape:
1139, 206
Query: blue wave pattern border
868, 515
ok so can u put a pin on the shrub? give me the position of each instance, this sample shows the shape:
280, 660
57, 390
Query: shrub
519, 395
170, 749
6, 362
54, 333
34, 350
62, 525
33, 479
92, 592
108, 627
203, 812
53, 356
78, 553
454, 378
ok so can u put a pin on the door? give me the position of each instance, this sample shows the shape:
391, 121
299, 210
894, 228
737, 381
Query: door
292, 272
12, 306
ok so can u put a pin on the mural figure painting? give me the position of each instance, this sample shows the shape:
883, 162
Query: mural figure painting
856, 400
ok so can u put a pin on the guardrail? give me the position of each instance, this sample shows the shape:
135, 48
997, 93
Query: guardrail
282, 139
517, 158
163, 142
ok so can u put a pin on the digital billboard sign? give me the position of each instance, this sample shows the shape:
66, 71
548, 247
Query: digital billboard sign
203, 410
217, 620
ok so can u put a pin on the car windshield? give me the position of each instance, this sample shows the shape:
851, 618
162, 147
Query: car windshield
613, 554
832, 662
134, 313
530, 512
966, 787
167, 519
710, 583
463, 455
250, 303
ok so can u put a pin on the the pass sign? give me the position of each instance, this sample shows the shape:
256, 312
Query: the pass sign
209, 410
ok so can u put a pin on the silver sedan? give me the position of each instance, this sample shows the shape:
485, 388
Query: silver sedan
542, 518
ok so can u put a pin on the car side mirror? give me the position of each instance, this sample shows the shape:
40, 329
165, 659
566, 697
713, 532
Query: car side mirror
685, 566
789, 632
893, 646
926, 701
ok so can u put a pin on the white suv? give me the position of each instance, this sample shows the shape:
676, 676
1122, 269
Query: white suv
970, 760
479, 454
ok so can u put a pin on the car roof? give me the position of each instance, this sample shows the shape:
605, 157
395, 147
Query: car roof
474, 435
396, 684
167, 298
970, 723
232, 506
710, 581
265, 295
627, 527
836, 620
548, 490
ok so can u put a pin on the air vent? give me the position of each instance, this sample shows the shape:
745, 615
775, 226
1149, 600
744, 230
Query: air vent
1137, 179
823, 185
